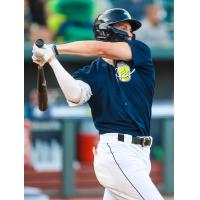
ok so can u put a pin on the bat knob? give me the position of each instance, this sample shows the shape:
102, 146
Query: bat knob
39, 43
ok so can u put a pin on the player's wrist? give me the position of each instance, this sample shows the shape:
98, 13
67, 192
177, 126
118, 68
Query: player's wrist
51, 59
55, 49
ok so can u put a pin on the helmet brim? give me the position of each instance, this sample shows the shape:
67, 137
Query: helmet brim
135, 24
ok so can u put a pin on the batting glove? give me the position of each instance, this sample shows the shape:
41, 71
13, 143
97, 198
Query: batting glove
38, 60
42, 54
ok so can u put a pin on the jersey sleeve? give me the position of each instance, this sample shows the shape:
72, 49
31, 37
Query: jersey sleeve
141, 54
83, 74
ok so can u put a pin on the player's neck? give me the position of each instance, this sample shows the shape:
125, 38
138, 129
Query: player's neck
109, 61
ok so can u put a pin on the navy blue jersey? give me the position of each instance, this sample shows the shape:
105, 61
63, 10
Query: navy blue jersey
122, 96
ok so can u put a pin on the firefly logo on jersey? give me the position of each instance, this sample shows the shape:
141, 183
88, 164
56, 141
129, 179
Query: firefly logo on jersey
124, 72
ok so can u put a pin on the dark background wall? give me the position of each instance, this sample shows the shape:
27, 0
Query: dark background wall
164, 88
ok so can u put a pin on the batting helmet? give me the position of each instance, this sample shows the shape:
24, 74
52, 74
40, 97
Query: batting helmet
103, 29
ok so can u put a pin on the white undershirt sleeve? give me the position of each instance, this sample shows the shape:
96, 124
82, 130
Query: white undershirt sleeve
86, 93
75, 91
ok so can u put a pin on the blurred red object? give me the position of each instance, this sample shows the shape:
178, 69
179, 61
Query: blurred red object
27, 143
87, 138
157, 172
85, 144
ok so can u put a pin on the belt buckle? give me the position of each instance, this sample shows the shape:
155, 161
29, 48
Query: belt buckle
143, 141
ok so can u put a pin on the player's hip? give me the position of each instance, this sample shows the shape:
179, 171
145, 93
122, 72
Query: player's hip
120, 166
111, 152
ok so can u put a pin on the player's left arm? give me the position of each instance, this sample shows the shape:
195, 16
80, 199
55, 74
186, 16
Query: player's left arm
92, 48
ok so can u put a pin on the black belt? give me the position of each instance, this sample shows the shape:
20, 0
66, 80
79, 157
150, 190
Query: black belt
143, 141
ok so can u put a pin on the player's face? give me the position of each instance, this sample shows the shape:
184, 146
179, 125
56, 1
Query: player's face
126, 27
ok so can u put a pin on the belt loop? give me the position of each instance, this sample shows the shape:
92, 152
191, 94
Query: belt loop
121, 137
132, 140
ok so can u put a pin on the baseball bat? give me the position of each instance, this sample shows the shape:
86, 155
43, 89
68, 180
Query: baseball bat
41, 83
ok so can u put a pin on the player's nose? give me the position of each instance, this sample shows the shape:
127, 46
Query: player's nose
130, 35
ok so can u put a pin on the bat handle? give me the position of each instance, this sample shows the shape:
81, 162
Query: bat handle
39, 43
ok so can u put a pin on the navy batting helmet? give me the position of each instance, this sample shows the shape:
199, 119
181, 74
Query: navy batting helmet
103, 29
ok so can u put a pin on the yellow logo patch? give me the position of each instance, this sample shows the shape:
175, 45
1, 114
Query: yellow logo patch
124, 73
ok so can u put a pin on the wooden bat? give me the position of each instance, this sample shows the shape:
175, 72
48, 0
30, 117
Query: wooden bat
41, 83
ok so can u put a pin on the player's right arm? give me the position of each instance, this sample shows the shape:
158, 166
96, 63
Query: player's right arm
75, 91
93, 48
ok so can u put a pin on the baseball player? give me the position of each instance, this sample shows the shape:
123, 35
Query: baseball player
119, 88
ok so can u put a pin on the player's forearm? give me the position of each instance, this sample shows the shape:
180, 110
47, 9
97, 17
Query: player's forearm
92, 48
68, 84
83, 48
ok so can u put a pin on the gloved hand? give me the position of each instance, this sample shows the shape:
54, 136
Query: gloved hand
38, 60
42, 55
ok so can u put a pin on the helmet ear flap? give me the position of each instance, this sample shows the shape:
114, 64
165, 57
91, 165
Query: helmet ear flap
100, 30
96, 30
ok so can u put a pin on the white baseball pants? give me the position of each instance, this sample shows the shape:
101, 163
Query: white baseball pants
123, 169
